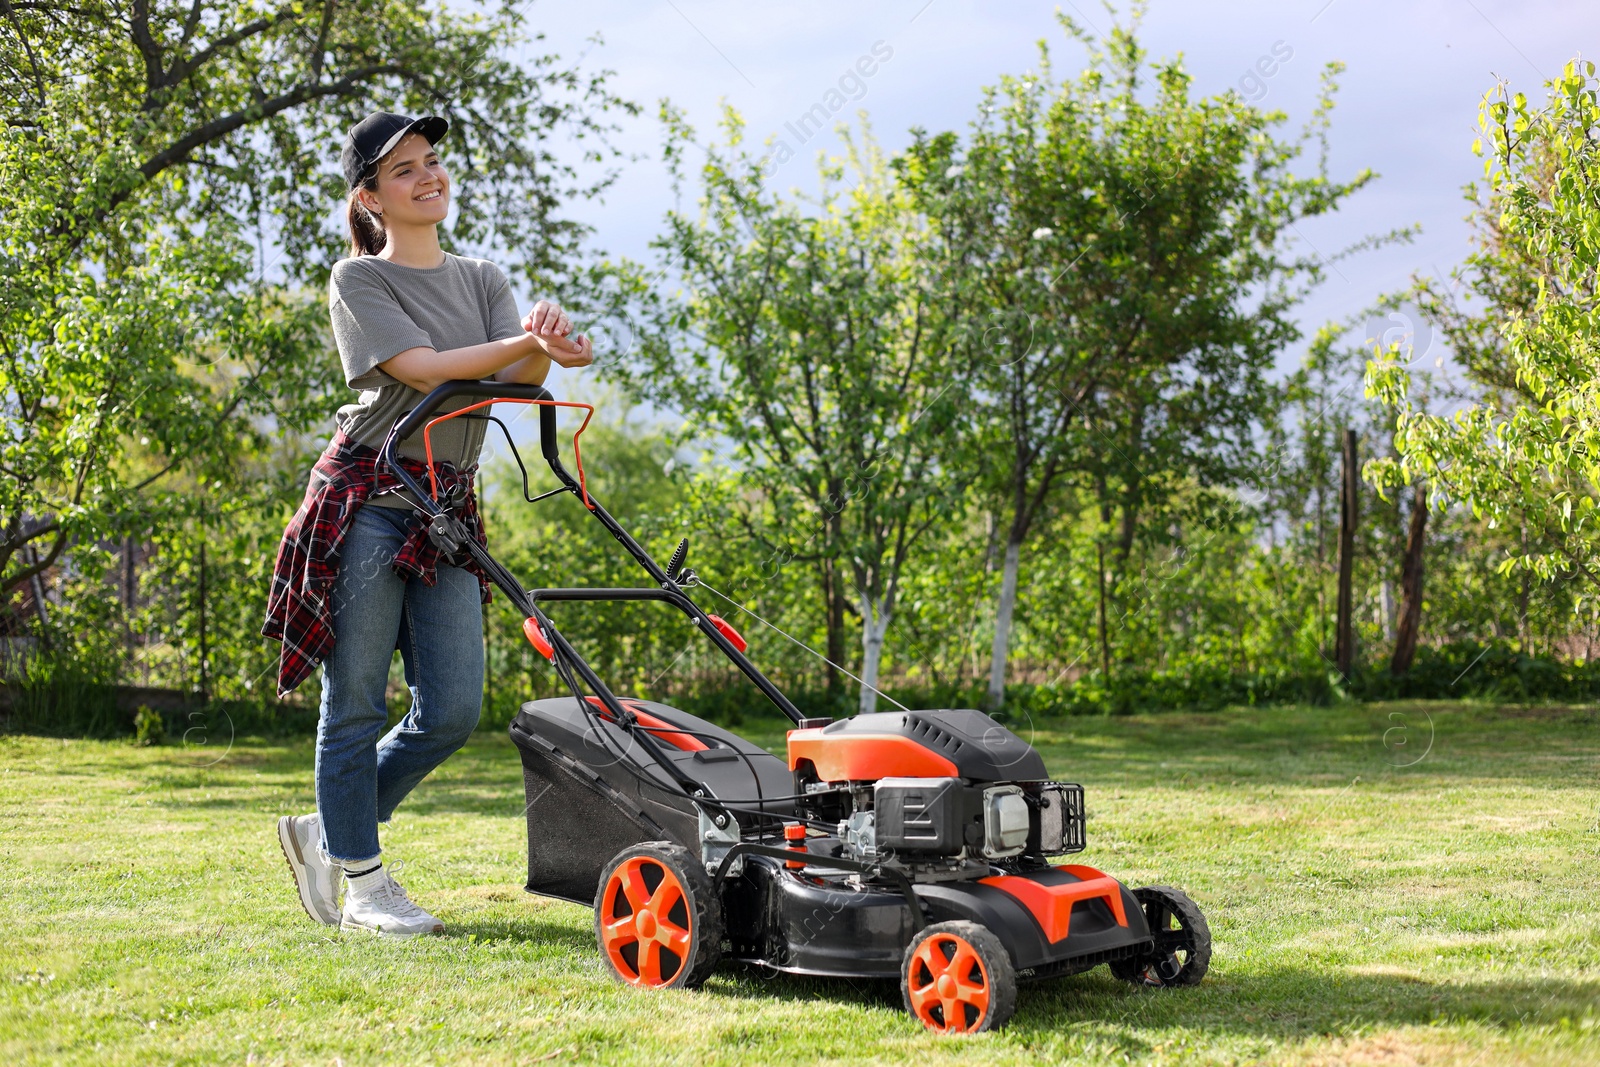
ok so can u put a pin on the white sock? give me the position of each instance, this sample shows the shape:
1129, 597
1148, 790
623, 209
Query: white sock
362, 874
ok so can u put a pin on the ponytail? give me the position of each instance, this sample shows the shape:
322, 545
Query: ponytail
367, 235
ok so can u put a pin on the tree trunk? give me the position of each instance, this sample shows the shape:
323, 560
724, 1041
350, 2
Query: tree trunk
1349, 500
1132, 496
130, 590
1105, 641
991, 542
1322, 564
1405, 642
874, 625
1100, 569
834, 605
1002, 625
205, 674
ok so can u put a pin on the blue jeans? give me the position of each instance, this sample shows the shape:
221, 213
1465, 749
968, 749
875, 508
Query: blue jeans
362, 778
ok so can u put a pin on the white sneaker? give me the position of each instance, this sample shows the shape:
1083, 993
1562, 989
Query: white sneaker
315, 875
378, 903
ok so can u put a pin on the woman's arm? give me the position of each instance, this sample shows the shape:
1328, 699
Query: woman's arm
532, 370
511, 359
424, 369
578, 352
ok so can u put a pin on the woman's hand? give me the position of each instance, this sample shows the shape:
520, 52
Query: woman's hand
550, 326
547, 320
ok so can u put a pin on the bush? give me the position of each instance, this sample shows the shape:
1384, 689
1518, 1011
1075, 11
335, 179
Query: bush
1469, 669
1461, 671
66, 703
148, 729
61, 700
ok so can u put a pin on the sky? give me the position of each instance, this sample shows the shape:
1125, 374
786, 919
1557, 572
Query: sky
1407, 108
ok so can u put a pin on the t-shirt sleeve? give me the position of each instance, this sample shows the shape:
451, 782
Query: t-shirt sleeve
503, 318
369, 326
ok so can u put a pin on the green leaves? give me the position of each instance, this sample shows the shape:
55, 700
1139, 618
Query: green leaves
1127, 258
807, 340
1524, 452
1071, 307
171, 172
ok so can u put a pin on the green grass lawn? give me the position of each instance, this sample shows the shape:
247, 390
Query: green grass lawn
1393, 884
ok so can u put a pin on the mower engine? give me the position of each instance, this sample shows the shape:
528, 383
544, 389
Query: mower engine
929, 825
944, 794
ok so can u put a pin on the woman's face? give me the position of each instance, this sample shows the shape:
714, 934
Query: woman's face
413, 187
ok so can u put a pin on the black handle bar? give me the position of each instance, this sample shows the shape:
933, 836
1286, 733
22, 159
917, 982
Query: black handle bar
466, 387
549, 446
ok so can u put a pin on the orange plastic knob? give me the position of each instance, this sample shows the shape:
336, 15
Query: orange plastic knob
536, 638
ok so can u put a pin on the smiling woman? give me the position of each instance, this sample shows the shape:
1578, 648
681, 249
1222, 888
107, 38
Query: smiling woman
354, 582
410, 188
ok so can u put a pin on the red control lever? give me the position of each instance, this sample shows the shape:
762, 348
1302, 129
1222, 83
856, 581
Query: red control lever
536, 638
729, 632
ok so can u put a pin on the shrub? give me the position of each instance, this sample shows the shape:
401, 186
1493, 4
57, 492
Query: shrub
148, 728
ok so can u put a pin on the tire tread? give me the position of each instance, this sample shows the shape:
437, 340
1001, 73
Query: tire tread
707, 924
1189, 916
996, 961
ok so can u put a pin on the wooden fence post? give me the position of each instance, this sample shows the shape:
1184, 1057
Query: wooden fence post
1349, 501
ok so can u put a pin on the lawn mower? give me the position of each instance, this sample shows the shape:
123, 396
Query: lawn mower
912, 845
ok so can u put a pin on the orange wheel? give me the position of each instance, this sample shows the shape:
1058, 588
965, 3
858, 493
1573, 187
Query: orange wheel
656, 918
957, 978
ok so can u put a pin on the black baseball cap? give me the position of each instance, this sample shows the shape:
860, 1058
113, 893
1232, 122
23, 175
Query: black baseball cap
376, 135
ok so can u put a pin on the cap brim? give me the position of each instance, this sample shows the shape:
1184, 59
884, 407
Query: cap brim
430, 126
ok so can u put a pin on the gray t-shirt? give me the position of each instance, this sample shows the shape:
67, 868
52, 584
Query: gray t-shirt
381, 309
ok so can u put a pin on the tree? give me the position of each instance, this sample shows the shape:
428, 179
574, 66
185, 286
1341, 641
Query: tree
1129, 254
154, 156
807, 341
1523, 454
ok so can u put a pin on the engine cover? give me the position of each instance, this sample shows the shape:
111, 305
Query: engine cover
950, 743
922, 815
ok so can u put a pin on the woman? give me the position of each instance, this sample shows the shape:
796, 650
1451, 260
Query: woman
356, 576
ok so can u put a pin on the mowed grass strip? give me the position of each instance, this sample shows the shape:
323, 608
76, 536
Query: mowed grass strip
1390, 884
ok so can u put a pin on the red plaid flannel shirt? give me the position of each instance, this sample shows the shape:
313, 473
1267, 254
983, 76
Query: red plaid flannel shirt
298, 612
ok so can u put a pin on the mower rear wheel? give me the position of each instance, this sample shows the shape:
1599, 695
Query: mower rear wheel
657, 917
1182, 951
957, 978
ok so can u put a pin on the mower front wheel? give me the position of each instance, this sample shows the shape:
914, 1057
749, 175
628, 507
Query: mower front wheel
657, 917
957, 978
1182, 951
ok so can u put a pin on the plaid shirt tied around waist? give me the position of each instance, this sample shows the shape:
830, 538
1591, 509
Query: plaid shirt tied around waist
298, 610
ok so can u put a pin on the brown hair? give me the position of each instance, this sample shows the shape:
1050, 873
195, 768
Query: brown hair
367, 235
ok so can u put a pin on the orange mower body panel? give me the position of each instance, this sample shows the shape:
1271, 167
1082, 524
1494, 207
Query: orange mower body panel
858, 757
